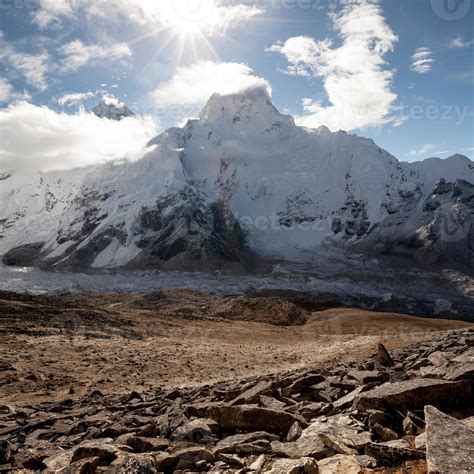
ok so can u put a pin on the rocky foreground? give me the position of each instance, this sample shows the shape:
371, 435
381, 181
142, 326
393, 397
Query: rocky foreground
407, 411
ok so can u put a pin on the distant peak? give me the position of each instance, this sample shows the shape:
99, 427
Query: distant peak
111, 108
239, 107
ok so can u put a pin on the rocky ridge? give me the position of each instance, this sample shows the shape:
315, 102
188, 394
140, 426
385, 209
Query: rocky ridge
390, 411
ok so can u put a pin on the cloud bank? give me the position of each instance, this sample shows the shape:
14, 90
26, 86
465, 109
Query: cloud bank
38, 138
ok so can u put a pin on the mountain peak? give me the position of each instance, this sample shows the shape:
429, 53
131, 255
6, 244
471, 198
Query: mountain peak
111, 108
252, 104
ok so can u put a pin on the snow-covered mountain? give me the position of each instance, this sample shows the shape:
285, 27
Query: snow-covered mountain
112, 109
239, 182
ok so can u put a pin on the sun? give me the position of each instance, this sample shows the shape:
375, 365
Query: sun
185, 25
192, 16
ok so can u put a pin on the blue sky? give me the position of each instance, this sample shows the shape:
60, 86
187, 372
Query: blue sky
398, 71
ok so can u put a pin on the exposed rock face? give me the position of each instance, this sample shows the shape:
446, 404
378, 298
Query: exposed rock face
436, 229
205, 429
243, 166
449, 443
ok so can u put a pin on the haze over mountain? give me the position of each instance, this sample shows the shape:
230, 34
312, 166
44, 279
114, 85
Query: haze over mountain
242, 182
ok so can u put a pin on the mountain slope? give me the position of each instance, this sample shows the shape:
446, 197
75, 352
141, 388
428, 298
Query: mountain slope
242, 178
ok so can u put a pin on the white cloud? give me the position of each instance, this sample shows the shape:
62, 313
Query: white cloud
36, 68
6, 90
77, 54
193, 85
39, 138
50, 12
213, 16
33, 67
459, 43
75, 98
421, 61
356, 83
423, 150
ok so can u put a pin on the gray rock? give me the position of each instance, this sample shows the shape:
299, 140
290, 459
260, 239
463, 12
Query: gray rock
294, 433
304, 465
382, 357
392, 453
382, 433
144, 445
186, 458
413, 394
252, 394
231, 460
84, 466
271, 403
301, 383
449, 443
343, 464
134, 463
258, 464
196, 431
5, 451
252, 418
230, 444
365, 376
348, 399
439, 358
462, 372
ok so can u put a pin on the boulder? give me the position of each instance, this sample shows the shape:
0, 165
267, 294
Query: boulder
131, 463
335, 444
414, 393
382, 433
258, 464
271, 403
103, 449
186, 458
314, 441
392, 453
145, 445
252, 394
84, 466
439, 358
196, 431
231, 460
294, 433
231, 444
315, 409
449, 443
343, 464
301, 383
252, 418
348, 399
294, 466
5, 451
461, 372
382, 358
366, 376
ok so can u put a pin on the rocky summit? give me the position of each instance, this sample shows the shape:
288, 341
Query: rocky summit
404, 410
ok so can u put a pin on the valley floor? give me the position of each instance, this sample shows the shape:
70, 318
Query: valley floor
57, 347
